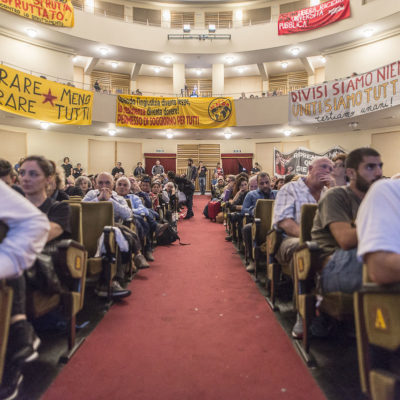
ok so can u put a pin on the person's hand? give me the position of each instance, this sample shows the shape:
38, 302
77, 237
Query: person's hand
105, 194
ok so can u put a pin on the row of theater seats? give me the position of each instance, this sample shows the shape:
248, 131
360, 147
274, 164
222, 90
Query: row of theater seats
78, 261
374, 309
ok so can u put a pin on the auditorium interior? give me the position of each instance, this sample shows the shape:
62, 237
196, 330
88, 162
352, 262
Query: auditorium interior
198, 325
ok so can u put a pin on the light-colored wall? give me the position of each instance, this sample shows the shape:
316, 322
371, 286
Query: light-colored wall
248, 84
362, 59
56, 145
154, 86
38, 60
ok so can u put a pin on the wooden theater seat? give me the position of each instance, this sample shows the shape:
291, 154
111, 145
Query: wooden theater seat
377, 318
260, 227
6, 294
307, 264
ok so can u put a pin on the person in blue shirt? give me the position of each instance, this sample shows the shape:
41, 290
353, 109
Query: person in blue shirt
263, 192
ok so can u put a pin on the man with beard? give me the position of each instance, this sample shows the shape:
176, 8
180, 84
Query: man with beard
334, 229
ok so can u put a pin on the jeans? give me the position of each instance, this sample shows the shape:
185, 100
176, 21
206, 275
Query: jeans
202, 184
342, 273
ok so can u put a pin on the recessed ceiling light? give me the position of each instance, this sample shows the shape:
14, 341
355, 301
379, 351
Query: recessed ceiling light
157, 70
111, 131
368, 32
229, 59
114, 64
287, 132
199, 71
44, 125
323, 60
241, 69
228, 134
75, 59
314, 3
31, 32
167, 59
284, 64
353, 125
103, 51
169, 134
295, 51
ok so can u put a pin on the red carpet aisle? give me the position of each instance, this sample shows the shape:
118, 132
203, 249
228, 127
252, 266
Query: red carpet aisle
195, 327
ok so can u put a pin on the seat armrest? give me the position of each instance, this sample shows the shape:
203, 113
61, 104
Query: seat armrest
375, 288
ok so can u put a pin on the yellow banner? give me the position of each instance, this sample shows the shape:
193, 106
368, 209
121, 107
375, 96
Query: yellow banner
51, 12
175, 113
38, 98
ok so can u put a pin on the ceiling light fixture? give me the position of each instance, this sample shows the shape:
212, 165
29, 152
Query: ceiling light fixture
287, 132
166, 15
211, 28
75, 59
353, 125
199, 71
240, 69
44, 125
314, 3
229, 59
169, 134
239, 15
295, 51
186, 28
368, 32
284, 64
227, 134
323, 59
167, 59
157, 70
31, 32
111, 131
103, 51
114, 64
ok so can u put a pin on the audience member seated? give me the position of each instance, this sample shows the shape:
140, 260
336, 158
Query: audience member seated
55, 188
77, 171
339, 170
83, 184
157, 168
219, 188
218, 170
287, 210
279, 183
253, 185
6, 172
256, 168
139, 170
27, 234
378, 229
263, 192
228, 191
18, 164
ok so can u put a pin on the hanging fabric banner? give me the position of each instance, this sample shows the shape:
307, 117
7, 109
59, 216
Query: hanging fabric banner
175, 113
51, 12
38, 98
340, 99
313, 17
297, 161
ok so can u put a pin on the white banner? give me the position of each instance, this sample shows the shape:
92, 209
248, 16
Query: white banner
340, 99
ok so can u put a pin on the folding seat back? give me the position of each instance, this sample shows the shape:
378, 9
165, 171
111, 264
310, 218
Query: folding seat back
377, 318
75, 199
76, 222
6, 294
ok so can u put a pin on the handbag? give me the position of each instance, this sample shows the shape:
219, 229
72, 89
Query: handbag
42, 275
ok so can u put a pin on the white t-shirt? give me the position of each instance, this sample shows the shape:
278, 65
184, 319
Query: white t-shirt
378, 219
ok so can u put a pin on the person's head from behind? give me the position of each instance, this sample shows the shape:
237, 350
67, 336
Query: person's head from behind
123, 186
35, 175
279, 183
264, 182
66, 160
5, 171
319, 172
145, 184
83, 182
363, 168
104, 181
171, 175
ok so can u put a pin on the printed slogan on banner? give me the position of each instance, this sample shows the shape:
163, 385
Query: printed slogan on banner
297, 161
38, 98
358, 95
51, 12
313, 17
175, 113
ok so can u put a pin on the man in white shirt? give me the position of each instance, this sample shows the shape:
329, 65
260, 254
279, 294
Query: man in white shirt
378, 230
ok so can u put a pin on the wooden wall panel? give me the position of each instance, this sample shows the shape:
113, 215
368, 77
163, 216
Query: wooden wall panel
129, 154
101, 156
13, 145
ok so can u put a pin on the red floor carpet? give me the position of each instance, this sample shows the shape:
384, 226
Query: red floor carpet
195, 327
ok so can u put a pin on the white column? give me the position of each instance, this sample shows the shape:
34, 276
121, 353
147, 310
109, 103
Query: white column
178, 77
218, 79
87, 82
132, 86
265, 86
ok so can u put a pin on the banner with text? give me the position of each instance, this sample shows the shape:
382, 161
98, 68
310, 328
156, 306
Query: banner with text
297, 161
358, 95
51, 12
175, 113
313, 17
38, 98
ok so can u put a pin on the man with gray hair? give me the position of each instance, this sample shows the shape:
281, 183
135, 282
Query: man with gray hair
287, 209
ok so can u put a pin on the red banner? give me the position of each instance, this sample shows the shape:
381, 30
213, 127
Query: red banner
313, 17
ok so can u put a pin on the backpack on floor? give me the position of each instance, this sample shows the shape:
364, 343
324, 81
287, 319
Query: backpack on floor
169, 236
